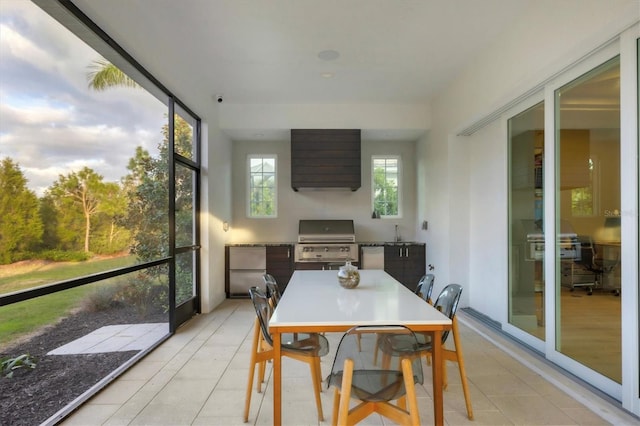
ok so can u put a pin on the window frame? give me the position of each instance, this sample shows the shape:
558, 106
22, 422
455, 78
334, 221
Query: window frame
248, 176
399, 186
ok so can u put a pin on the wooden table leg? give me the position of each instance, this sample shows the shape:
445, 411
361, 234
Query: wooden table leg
277, 380
436, 368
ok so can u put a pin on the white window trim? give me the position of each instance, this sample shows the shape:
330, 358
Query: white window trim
248, 186
400, 178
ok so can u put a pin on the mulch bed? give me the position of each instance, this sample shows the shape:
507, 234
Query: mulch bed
31, 396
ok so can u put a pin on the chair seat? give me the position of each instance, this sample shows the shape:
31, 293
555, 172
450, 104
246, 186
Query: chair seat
401, 343
374, 385
311, 344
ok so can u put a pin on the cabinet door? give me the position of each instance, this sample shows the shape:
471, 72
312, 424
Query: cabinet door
280, 264
414, 265
394, 262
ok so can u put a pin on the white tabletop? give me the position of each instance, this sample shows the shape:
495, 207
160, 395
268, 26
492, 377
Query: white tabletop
315, 298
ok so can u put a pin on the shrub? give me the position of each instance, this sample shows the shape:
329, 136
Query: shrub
101, 299
64, 256
145, 293
9, 365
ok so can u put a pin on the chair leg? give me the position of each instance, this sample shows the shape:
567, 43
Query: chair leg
407, 373
336, 407
463, 374
345, 392
316, 375
252, 366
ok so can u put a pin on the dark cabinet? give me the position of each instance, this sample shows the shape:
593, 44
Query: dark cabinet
280, 264
325, 158
406, 263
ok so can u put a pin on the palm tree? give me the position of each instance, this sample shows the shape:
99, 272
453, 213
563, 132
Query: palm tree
104, 75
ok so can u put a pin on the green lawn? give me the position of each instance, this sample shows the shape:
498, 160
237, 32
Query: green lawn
25, 317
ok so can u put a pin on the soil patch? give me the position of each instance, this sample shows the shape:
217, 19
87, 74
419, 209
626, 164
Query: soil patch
31, 396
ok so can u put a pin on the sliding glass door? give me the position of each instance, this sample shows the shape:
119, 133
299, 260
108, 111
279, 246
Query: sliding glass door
588, 229
526, 221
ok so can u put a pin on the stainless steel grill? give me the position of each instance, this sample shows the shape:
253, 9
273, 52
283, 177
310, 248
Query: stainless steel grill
326, 241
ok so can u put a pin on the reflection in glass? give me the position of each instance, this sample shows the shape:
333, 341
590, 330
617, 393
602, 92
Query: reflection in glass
526, 230
588, 220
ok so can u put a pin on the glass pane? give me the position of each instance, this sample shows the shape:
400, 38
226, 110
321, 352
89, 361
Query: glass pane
185, 278
185, 206
184, 133
82, 170
385, 186
60, 332
262, 186
588, 220
526, 226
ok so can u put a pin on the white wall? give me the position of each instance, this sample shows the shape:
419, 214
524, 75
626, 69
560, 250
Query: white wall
325, 204
215, 208
463, 178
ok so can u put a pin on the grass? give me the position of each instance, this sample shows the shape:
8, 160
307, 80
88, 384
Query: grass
23, 318
41, 273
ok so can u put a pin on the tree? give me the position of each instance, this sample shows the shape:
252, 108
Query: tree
83, 190
20, 225
385, 193
105, 75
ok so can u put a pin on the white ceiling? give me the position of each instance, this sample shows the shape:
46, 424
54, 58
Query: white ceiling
266, 51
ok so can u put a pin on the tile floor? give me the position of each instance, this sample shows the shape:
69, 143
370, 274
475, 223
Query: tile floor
198, 377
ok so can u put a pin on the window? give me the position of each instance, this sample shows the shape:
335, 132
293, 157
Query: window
262, 193
385, 186
582, 199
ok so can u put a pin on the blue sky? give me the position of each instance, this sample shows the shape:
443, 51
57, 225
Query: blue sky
51, 123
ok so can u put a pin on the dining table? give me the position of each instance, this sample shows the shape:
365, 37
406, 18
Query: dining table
314, 302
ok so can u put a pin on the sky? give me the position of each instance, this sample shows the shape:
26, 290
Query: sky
51, 123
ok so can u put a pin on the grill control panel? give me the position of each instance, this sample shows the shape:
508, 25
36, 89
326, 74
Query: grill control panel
326, 252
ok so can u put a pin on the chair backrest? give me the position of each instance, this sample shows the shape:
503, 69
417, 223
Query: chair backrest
447, 303
263, 311
382, 381
425, 287
273, 291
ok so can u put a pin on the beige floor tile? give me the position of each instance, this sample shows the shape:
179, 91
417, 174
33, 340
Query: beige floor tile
119, 392
531, 410
199, 377
92, 414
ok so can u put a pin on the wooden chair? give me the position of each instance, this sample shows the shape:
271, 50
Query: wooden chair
447, 303
304, 347
354, 375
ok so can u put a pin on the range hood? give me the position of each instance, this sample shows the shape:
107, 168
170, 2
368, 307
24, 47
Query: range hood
325, 159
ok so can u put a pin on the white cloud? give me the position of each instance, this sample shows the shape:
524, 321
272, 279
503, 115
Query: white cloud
50, 122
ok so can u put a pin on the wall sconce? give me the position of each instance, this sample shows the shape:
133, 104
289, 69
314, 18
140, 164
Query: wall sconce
225, 226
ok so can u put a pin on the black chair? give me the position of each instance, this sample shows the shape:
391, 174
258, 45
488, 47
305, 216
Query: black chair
447, 303
424, 288
354, 375
273, 291
589, 269
306, 347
